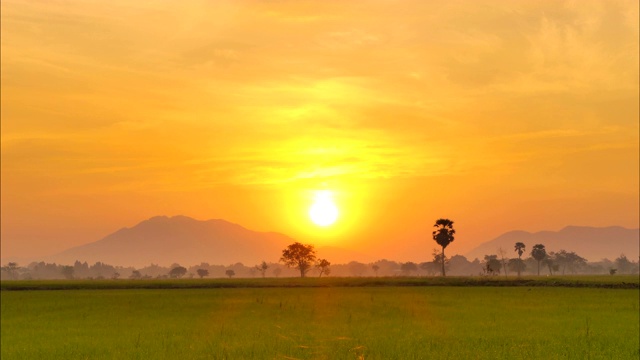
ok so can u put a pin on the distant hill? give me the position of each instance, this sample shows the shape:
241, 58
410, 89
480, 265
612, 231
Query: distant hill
166, 240
591, 243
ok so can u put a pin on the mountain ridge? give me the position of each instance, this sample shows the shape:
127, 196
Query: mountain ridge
165, 240
592, 243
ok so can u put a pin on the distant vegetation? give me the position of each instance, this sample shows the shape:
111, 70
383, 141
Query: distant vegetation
298, 259
555, 263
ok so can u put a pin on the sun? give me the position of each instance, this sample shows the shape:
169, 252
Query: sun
323, 212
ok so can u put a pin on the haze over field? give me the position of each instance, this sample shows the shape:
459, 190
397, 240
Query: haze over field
498, 115
166, 240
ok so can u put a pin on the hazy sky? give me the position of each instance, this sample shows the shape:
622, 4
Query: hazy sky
499, 115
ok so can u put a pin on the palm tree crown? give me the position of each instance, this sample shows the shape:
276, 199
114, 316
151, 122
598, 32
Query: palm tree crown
520, 247
444, 232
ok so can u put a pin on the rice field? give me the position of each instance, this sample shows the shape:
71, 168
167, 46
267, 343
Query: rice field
321, 322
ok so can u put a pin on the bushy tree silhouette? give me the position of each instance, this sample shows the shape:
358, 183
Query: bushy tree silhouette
517, 265
323, 266
299, 256
202, 273
177, 272
492, 264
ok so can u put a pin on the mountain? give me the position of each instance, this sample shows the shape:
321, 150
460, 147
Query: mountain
166, 240
591, 243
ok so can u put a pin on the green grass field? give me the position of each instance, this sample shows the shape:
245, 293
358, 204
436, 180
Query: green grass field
322, 322
598, 281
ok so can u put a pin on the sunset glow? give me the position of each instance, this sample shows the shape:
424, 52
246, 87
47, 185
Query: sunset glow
500, 115
323, 212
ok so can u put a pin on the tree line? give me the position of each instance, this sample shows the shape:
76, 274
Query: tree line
301, 260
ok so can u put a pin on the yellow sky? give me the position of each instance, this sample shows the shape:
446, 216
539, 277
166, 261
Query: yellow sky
500, 115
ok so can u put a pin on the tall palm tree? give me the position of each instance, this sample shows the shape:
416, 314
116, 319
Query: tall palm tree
443, 235
539, 253
520, 250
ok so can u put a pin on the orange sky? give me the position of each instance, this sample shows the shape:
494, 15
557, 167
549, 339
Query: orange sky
499, 115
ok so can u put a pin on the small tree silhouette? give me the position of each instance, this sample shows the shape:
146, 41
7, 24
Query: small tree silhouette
492, 264
517, 265
202, 273
12, 269
323, 266
230, 273
177, 272
375, 268
262, 268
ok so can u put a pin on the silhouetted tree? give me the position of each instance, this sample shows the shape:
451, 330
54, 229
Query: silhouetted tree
539, 253
443, 235
492, 264
202, 273
135, 274
11, 269
408, 268
230, 273
519, 248
323, 266
375, 269
612, 271
569, 260
115, 275
262, 268
299, 256
517, 265
177, 272
623, 265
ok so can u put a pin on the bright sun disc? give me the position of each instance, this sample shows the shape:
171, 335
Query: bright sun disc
323, 212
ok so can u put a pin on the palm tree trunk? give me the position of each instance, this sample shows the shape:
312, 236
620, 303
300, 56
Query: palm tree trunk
443, 273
